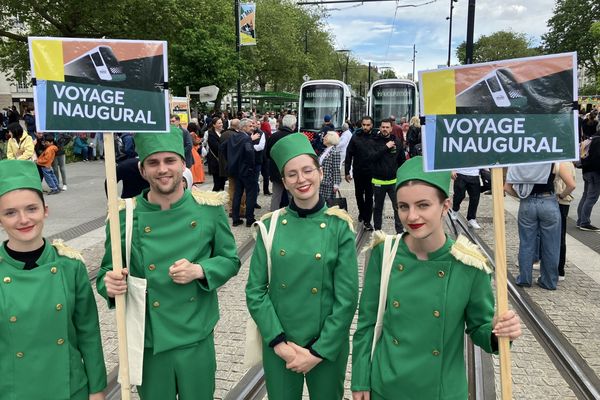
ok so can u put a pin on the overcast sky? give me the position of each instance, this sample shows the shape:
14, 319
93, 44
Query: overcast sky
372, 33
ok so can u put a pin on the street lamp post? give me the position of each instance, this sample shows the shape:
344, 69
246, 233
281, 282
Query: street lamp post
450, 30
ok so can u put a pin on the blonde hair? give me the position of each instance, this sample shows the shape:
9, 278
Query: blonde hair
332, 138
415, 121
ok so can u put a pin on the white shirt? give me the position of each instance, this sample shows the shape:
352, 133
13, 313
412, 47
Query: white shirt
343, 144
468, 171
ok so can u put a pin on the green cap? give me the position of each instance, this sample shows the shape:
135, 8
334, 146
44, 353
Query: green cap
19, 174
412, 169
148, 143
291, 146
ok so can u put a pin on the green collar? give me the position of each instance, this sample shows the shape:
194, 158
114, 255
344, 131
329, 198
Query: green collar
441, 252
142, 199
46, 255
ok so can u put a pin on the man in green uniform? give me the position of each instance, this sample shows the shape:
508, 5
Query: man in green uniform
183, 247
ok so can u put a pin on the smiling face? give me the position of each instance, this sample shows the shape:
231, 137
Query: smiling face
22, 215
302, 178
421, 209
164, 172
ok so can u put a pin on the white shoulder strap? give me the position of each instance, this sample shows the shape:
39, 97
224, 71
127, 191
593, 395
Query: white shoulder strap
389, 253
128, 230
268, 238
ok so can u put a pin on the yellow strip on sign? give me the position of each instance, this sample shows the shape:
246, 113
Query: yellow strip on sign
439, 92
48, 62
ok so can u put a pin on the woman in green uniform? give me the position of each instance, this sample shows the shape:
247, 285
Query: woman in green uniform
51, 347
304, 312
437, 288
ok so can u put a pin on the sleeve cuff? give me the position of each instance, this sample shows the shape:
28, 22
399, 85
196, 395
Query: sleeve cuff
279, 339
314, 353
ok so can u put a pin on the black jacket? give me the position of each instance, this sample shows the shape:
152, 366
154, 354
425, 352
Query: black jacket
592, 161
358, 153
384, 161
273, 171
240, 155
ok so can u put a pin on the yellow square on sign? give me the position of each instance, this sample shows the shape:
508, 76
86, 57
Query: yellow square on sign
48, 62
439, 92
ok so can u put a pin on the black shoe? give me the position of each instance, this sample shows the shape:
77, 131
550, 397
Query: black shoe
589, 228
238, 222
367, 226
360, 218
257, 207
249, 222
267, 193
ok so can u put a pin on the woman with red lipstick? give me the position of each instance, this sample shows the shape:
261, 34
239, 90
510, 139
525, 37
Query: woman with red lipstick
436, 288
51, 346
305, 305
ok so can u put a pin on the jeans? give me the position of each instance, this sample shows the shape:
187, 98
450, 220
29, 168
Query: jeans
248, 185
591, 191
380, 191
59, 165
539, 215
364, 197
470, 184
50, 178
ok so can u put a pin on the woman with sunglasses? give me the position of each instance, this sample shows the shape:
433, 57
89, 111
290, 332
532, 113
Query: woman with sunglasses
51, 346
438, 289
305, 307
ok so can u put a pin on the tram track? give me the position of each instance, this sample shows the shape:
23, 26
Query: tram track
570, 364
252, 385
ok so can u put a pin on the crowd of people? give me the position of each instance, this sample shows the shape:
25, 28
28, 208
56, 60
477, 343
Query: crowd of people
303, 314
406, 341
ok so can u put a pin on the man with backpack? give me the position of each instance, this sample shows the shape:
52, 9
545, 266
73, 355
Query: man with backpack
590, 165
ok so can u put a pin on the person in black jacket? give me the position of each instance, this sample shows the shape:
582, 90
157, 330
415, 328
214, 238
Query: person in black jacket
279, 196
358, 157
386, 158
591, 186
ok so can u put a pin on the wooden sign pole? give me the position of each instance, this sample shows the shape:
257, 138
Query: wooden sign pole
117, 261
501, 281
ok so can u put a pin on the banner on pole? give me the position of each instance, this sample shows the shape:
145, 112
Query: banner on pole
99, 85
500, 113
179, 107
247, 24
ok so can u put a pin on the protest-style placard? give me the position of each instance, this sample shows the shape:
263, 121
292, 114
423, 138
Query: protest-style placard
97, 85
500, 113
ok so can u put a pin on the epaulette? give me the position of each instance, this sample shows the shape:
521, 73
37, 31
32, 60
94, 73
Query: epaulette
341, 214
469, 254
210, 198
376, 238
66, 251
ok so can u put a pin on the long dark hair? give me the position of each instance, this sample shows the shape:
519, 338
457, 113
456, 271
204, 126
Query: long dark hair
16, 130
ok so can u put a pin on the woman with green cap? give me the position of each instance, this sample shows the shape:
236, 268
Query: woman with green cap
436, 287
303, 299
51, 346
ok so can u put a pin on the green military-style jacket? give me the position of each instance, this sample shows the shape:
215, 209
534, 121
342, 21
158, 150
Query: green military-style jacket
50, 341
194, 228
313, 291
420, 352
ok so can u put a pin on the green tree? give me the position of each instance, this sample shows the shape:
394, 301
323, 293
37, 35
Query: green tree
499, 45
200, 33
575, 27
388, 74
291, 42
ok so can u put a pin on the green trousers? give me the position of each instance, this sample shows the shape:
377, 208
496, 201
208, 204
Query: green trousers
187, 373
324, 382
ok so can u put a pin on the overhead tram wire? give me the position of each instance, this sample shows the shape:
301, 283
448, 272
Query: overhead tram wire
323, 2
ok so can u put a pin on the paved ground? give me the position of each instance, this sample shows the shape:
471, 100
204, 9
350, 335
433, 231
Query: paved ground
573, 307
